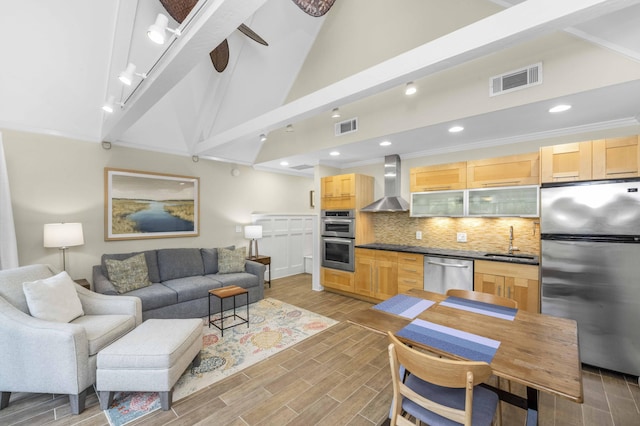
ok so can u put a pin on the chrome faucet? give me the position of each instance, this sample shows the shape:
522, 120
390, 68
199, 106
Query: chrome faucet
511, 247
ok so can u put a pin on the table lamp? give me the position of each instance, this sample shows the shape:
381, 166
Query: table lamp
63, 236
253, 233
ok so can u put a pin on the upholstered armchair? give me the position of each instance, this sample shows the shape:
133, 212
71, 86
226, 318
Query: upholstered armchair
56, 356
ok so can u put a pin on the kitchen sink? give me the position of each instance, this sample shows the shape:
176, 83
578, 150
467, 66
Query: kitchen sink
509, 257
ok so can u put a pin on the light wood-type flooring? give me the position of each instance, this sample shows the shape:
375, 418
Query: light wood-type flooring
338, 377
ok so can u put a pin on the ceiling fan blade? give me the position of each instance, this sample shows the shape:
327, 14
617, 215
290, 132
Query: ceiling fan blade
220, 56
315, 8
178, 9
251, 34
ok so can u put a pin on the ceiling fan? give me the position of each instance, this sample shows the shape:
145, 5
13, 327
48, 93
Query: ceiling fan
179, 9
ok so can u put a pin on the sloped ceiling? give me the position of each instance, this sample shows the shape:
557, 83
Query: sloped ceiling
62, 58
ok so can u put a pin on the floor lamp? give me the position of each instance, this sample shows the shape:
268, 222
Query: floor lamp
63, 236
253, 233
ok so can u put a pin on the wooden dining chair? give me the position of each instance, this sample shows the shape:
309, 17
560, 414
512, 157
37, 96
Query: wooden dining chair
483, 297
438, 391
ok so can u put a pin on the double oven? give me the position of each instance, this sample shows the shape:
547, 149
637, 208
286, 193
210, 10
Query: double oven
338, 239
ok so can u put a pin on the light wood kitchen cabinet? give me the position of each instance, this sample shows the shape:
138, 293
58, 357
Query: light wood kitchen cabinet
566, 163
376, 273
438, 178
348, 191
514, 281
336, 279
338, 192
410, 271
616, 158
512, 170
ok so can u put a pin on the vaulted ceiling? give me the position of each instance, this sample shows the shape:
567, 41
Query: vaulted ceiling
61, 59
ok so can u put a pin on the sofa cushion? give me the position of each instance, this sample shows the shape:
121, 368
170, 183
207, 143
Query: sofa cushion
102, 330
53, 298
210, 259
150, 256
192, 288
231, 261
179, 263
241, 279
155, 296
128, 274
11, 281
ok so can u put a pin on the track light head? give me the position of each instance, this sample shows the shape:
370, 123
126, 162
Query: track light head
410, 89
126, 76
157, 32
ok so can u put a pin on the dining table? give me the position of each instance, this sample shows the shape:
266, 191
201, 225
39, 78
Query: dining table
538, 351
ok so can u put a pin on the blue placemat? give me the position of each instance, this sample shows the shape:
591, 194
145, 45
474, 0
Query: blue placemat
405, 306
480, 307
466, 345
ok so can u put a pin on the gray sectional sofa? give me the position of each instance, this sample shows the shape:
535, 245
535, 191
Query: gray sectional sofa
180, 282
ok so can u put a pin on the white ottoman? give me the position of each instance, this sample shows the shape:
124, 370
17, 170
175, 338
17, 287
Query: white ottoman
150, 358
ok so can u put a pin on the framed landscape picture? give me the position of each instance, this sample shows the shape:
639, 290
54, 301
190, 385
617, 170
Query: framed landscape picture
142, 205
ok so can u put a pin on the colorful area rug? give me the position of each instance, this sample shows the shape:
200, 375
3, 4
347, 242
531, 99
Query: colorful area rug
273, 326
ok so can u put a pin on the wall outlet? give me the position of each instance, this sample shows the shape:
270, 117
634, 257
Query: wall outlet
461, 237
418, 235
238, 228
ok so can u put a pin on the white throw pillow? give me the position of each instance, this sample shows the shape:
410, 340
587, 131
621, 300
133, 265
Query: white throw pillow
53, 298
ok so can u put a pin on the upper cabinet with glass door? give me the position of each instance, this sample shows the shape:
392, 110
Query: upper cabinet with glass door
438, 203
521, 201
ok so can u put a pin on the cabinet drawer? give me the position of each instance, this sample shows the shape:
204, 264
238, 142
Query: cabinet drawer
339, 280
529, 272
411, 259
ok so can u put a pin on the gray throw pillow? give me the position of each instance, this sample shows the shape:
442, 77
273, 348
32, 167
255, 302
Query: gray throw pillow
231, 261
128, 274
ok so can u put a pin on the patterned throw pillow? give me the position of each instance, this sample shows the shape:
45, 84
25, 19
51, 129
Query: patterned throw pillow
230, 261
128, 274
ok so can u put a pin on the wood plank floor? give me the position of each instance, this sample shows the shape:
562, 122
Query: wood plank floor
338, 377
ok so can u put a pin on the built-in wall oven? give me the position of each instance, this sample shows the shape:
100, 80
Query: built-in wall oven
338, 239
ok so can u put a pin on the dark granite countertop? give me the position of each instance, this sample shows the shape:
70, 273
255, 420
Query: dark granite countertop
528, 259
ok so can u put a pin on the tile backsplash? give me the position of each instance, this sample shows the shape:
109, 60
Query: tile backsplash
483, 234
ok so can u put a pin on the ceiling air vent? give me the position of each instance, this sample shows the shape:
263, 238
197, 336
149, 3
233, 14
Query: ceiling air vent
347, 126
301, 167
516, 80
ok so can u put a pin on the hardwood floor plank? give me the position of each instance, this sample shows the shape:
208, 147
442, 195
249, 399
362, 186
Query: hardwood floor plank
275, 402
357, 379
379, 406
595, 417
315, 412
323, 387
623, 410
350, 408
281, 416
594, 394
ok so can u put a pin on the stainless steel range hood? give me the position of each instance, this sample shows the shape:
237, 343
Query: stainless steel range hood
391, 202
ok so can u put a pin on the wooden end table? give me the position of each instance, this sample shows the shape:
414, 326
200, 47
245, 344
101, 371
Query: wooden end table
84, 283
224, 293
265, 260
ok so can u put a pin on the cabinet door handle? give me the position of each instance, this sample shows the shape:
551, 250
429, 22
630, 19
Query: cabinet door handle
501, 183
622, 172
437, 187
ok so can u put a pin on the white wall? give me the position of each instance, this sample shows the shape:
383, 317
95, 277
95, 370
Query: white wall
55, 179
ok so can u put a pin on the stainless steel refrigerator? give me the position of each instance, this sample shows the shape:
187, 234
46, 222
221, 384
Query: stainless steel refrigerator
591, 267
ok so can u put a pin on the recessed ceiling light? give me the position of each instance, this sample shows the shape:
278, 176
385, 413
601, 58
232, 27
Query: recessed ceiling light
284, 163
560, 108
334, 153
456, 129
385, 143
410, 89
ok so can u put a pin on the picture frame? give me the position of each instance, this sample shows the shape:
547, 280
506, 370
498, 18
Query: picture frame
141, 205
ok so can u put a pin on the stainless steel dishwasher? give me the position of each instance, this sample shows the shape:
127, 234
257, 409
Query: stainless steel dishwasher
443, 273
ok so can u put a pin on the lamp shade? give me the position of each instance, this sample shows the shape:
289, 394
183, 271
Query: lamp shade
62, 235
253, 232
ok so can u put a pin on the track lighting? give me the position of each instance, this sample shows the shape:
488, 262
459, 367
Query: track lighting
126, 76
289, 128
263, 137
158, 31
410, 89
335, 113
110, 104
